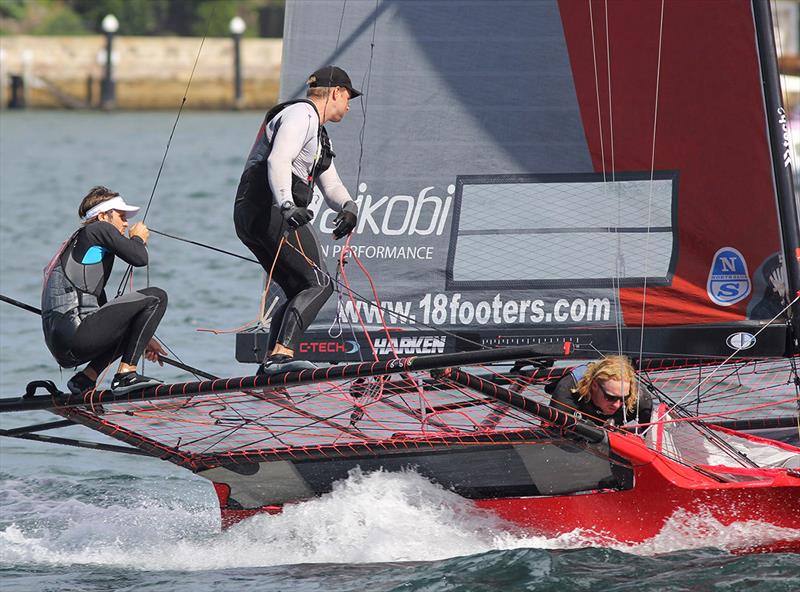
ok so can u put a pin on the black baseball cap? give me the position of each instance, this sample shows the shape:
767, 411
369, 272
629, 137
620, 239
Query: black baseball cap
332, 76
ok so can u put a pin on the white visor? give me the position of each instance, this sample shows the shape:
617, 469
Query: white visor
115, 203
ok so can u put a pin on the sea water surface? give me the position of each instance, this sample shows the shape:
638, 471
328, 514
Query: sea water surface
75, 519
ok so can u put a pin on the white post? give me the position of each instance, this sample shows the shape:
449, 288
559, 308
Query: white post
27, 60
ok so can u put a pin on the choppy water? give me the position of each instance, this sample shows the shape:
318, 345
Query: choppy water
73, 519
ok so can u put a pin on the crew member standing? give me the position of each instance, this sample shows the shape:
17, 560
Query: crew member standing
79, 324
292, 154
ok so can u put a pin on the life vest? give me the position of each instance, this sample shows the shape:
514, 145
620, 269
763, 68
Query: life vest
254, 184
70, 292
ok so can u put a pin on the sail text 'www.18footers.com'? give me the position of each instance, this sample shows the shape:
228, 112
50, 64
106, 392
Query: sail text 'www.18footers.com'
454, 309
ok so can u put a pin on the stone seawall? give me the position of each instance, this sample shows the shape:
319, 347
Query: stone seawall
150, 72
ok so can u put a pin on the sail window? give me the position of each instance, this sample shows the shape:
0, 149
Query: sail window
565, 230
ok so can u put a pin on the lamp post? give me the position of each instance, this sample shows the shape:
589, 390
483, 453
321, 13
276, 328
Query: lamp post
108, 94
237, 27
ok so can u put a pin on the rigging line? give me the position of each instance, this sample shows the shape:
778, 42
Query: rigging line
610, 110
362, 134
796, 381
696, 422
318, 154
410, 319
699, 427
597, 94
180, 109
339, 33
205, 246
192, 371
179, 364
377, 301
726, 360
365, 82
365, 87
650, 196
171, 134
601, 133
617, 263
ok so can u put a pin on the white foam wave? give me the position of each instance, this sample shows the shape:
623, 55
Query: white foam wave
684, 530
377, 517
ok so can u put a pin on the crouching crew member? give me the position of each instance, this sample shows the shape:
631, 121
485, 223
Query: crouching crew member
604, 392
80, 324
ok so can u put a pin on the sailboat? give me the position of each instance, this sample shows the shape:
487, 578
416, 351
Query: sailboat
538, 183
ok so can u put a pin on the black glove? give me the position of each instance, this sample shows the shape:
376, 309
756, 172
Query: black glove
346, 220
296, 217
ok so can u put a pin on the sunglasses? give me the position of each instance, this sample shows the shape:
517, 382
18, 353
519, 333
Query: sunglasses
608, 396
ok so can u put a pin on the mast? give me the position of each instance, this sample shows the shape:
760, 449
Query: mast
777, 123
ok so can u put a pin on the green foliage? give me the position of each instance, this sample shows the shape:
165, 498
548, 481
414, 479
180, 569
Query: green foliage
213, 16
39, 17
136, 17
61, 20
14, 9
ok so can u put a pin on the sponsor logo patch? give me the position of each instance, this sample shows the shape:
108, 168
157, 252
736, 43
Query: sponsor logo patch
728, 281
329, 347
410, 345
741, 340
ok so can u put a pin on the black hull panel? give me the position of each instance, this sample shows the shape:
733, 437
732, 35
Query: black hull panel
476, 472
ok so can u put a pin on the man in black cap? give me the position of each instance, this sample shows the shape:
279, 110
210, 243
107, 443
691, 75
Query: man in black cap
292, 154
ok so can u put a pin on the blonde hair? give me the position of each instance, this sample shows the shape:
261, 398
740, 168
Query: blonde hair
320, 92
610, 368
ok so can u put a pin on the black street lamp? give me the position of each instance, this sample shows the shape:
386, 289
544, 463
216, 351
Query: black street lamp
108, 93
237, 28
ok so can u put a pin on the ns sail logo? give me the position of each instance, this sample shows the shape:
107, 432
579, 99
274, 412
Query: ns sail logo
728, 280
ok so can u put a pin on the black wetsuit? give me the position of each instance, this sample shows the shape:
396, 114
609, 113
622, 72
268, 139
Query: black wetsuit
79, 324
564, 399
299, 268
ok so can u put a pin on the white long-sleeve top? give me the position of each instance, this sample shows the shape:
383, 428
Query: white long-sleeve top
293, 135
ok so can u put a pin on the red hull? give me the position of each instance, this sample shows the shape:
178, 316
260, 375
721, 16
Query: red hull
662, 487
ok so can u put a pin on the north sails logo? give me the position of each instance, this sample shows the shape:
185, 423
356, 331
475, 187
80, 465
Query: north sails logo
410, 345
728, 280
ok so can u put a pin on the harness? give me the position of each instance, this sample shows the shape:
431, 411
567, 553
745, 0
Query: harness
302, 189
65, 301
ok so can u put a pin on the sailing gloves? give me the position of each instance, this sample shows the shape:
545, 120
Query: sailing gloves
294, 216
346, 220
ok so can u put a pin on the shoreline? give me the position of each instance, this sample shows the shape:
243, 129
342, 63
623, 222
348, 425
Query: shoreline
150, 73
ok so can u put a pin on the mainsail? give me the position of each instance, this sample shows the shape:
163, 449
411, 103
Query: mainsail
530, 170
